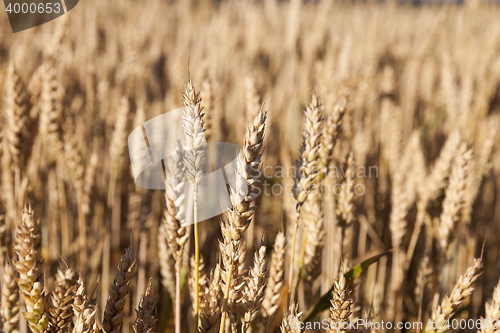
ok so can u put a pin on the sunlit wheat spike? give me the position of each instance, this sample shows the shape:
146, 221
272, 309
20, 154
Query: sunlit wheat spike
340, 309
275, 281
211, 301
167, 261
291, 320
9, 306
83, 309
247, 174
314, 237
253, 292
145, 321
331, 132
16, 114
492, 310
29, 265
450, 304
307, 165
61, 300
455, 196
345, 205
113, 313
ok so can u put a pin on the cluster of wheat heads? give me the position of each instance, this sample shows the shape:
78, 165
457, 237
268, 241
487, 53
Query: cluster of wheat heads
394, 131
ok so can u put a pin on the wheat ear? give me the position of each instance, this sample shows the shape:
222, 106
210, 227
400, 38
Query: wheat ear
167, 261
455, 196
29, 265
9, 308
340, 309
331, 132
492, 311
450, 304
61, 300
254, 289
307, 170
83, 309
291, 320
145, 321
113, 313
194, 147
211, 300
176, 232
239, 218
275, 281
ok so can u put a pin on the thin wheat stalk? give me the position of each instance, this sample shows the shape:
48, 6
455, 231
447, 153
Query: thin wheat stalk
61, 300
253, 292
113, 313
275, 282
4, 239
239, 218
194, 147
29, 265
9, 307
340, 309
450, 304
307, 169
145, 321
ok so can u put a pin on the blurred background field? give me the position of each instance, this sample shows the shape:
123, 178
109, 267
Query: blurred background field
412, 76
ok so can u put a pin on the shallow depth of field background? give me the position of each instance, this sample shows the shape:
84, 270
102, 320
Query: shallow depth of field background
412, 75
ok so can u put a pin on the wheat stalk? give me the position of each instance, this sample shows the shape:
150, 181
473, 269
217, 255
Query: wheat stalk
113, 313
29, 265
492, 311
450, 304
275, 281
291, 320
9, 307
194, 147
455, 196
83, 309
239, 218
61, 300
253, 292
340, 309
307, 169
145, 321
211, 301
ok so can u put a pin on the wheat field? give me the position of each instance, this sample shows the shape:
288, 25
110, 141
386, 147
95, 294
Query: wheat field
367, 187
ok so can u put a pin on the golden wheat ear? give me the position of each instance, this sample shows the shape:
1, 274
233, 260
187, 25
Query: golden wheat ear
113, 313
145, 321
